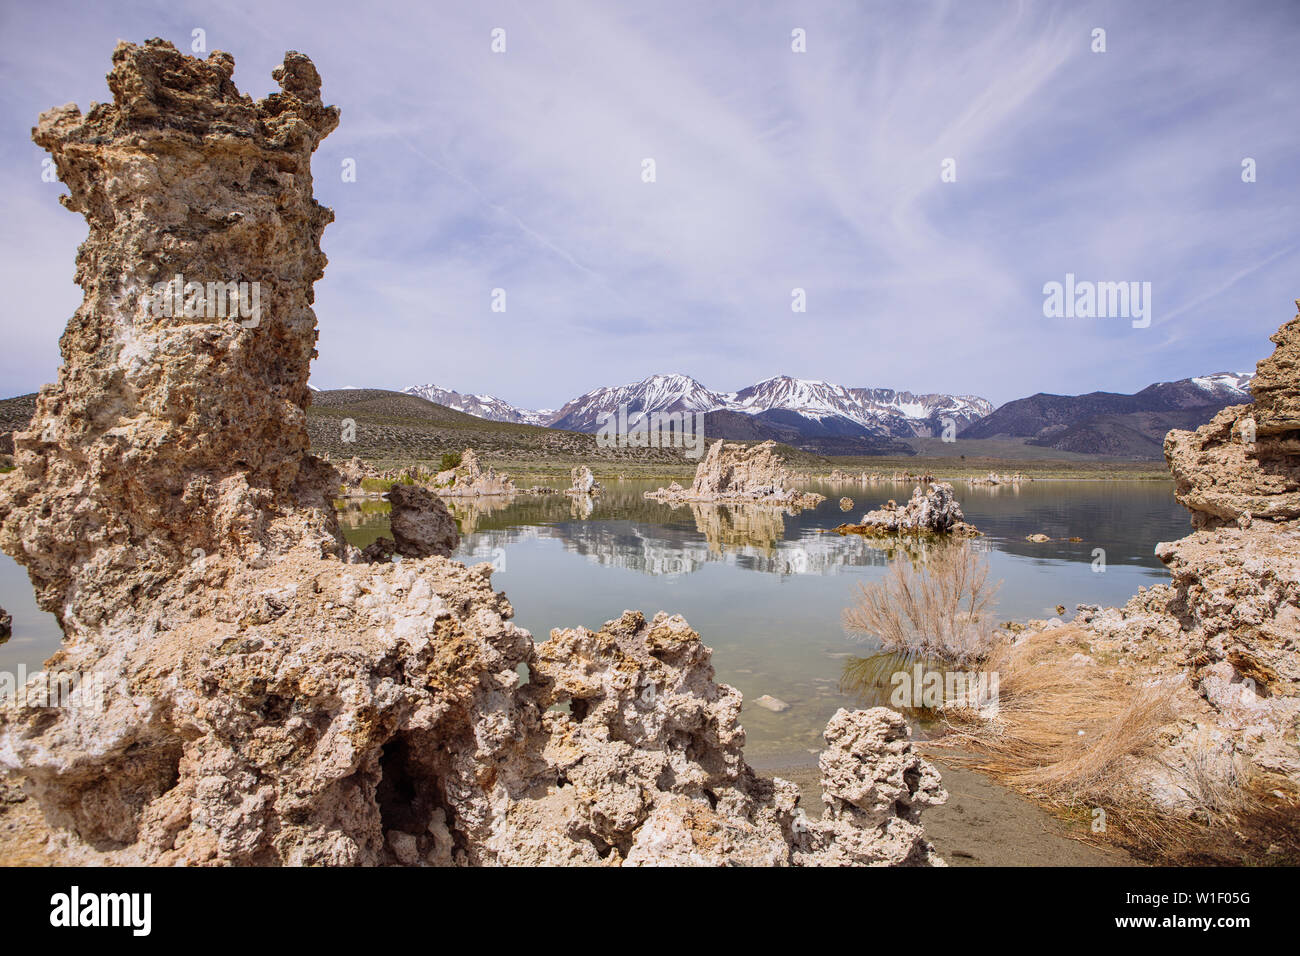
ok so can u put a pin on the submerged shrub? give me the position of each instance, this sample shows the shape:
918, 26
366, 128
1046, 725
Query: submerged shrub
942, 611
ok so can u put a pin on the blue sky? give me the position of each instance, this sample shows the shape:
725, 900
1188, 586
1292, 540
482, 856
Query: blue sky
775, 170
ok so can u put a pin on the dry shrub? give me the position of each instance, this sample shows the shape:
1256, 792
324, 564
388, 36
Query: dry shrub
1067, 732
1070, 733
1217, 779
941, 611
1240, 810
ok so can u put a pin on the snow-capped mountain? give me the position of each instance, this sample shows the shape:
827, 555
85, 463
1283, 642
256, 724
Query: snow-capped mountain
481, 406
1115, 423
804, 406
658, 393
1221, 388
1240, 381
881, 411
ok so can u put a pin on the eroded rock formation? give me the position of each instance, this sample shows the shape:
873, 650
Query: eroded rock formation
352, 473
166, 436
732, 472
583, 482
645, 707
268, 697
1245, 463
470, 479
421, 526
994, 479
878, 822
1224, 634
932, 509
1231, 615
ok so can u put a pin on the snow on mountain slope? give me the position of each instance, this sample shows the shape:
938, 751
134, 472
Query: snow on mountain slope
822, 405
1221, 388
658, 393
1219, 381
480, 406
1115, 422
879, 410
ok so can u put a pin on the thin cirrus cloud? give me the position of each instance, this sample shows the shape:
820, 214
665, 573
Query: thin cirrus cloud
775, 170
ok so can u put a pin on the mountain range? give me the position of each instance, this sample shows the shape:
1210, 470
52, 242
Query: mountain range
809, 414
831, 419
481, 406
1113, 423
828, 419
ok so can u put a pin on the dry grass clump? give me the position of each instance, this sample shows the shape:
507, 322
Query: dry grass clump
941, 611
1067, 729
1068, 732
1238, 810
1063, 728
1218, 780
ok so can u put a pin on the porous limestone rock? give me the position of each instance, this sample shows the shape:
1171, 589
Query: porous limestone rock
1245, 462
846, 504
994, 479
1231, 615
932, 509
353, 472
651, 768
421, 525
1221, 475
732, 472
583, 482
1225, 632
169, 437
648, 759
263, 696
6, 624
470, 479
1275, 388
874, 787
284, 715
1238, 594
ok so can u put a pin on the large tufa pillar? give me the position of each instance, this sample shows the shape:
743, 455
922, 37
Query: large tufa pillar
175, 430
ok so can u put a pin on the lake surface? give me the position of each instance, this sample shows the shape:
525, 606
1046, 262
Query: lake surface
764, 589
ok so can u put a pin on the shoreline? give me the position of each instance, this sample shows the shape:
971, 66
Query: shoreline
606, 472
983, 823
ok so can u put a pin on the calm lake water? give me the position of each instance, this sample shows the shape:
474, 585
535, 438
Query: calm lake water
764, 589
